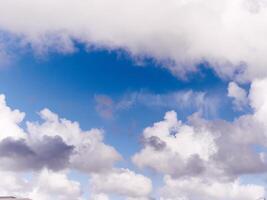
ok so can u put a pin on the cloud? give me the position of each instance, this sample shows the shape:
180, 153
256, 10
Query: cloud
185, 152
104, 106
4, 57
200, 31
122, 182
193, 189
10, 121
206, 159
87, 144
50, 153
13, 184
99, 197
155, 142
239, 96
180, 99
202, 148
44, 185
49, 185
55, 144
258, 99
193, 156
37, 159
187, 100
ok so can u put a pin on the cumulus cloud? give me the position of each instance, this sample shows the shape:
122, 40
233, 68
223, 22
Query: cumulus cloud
55, 144
122, 182
197, 189
99, 197
198, 155
10, 121
50, 153
258, 100
200, 30
13, 184
203, 148
50, 185
90, 154
44, 185
239, 95
36, 160
184, 151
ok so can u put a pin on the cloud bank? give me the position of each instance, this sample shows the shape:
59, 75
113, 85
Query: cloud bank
229, 35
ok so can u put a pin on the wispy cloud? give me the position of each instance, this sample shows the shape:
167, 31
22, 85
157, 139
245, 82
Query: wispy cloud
181, 101
104, 106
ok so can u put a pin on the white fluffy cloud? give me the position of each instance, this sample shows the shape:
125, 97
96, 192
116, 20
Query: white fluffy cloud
199, 30
10, 121
205, 148
122, 182
258, 99
204, 159
99, 197
35, 162
174, 148
44, 185
56, 143
13, 184
197, 189
49, 185
90, 154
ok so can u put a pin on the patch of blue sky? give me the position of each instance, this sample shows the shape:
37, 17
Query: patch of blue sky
68, 84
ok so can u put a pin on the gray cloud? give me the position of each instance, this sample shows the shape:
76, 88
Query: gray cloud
180, 168
235, 155
155, 142
194, 166
204, 148
51, 153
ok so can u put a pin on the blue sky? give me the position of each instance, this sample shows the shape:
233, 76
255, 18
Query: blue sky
68, 84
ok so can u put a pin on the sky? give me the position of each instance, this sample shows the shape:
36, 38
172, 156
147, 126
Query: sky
133, 100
